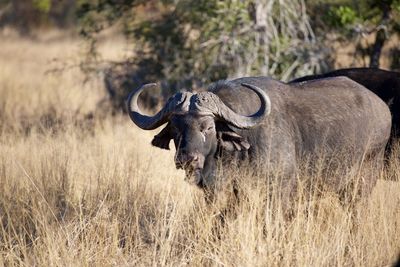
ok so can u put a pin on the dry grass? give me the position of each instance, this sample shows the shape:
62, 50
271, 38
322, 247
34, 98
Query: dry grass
100, 195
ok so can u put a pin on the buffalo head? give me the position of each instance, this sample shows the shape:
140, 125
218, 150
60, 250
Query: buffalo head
199, 125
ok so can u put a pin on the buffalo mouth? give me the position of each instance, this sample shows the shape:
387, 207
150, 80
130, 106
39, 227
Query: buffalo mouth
194, 176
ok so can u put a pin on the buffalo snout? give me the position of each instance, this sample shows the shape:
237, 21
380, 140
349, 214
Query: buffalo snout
189, 161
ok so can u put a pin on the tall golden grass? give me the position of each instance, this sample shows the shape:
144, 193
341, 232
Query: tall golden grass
93, 192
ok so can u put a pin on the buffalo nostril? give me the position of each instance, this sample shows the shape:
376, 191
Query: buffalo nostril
189, 160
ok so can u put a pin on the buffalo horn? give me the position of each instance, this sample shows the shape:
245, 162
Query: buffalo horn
143, 121
241, 121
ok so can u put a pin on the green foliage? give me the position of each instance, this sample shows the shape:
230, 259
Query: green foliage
194, 42
27, 15
396, 5
365, 14
355, 20
95, 15
342, 16
42, 5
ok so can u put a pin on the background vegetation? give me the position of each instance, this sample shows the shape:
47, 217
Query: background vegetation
185, 43
80, 185
91, 191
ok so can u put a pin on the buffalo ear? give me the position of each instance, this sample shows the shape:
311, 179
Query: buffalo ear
163, 138
230, 140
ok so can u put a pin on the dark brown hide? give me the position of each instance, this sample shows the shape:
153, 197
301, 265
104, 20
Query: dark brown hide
385, 84
306, 120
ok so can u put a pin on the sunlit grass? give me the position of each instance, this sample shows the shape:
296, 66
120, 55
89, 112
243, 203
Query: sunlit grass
95, 193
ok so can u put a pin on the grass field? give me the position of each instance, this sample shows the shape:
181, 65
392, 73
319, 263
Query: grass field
91, 191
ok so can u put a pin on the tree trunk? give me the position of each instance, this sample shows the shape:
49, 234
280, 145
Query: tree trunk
380, 38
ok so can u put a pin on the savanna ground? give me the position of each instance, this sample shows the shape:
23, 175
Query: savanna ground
79, 187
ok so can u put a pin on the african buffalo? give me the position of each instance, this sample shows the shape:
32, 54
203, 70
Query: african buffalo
385, 84
289, 123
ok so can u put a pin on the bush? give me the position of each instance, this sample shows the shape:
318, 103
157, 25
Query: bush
187, 44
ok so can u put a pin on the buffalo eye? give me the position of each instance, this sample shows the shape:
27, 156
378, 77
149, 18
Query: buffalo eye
207, 129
